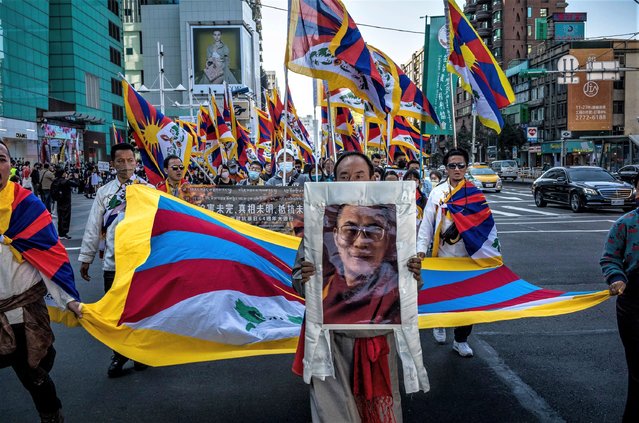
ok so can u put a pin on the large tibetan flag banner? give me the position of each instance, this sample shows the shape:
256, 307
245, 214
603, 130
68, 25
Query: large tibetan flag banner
156, 135
325, 43
193, 285
480, 74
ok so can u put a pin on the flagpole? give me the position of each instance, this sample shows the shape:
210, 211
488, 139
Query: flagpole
365, 135
389, 136
331, 131
452, 107
285, 123
316, 144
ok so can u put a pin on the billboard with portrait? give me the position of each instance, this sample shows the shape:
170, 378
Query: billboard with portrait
216, 57
360, 235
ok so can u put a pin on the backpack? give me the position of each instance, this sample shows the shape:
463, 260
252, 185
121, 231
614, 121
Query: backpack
56, 190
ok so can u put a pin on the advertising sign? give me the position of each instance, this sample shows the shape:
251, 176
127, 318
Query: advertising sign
590, 102
436, 77
279, 209
532, 133
569, 31
217, 57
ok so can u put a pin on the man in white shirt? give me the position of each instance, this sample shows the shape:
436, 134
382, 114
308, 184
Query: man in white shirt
26, 339
450, 242
99, 235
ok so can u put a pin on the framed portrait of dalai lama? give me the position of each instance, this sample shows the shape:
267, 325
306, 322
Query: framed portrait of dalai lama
360, 236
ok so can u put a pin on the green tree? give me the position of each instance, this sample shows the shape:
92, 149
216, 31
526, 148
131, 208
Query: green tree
511, 136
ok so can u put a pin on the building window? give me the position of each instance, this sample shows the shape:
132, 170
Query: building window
117, 112
129, 51
620, 84
128, 12
529, 30
497, 34
115, 56
116, 87
114, 7
543, 12
529, 48
114, 31
618, 107
92, 87
529, 12
497, 16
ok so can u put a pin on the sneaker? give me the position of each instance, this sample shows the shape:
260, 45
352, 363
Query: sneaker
65, 237
463, 349
440, 335
116, 368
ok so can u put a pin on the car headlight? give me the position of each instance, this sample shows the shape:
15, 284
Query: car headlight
590, 191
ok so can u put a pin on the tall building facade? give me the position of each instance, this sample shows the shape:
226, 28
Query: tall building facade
204, 44
59, 62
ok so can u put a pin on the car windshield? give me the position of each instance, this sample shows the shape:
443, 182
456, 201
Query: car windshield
482, 171
590, 175
510, 163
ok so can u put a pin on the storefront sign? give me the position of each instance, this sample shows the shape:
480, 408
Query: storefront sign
590, 102
279, 209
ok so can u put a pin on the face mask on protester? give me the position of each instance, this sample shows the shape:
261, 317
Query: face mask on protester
225, 174
253, 175
286, 167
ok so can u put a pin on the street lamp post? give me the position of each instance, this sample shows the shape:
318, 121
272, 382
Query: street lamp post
161, 77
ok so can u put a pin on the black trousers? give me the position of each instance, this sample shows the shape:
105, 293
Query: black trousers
462, 333
628, 323
109, 276
64, 217
37, 381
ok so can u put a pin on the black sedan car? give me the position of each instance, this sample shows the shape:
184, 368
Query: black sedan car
581, 187
628, 173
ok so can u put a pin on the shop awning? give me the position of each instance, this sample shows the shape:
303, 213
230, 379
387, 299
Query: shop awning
73, 116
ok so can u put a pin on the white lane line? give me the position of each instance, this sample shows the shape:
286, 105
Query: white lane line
539, 222
72, 248
506, 214
530, 211
553, 333
506, 198
554, 232
528, 398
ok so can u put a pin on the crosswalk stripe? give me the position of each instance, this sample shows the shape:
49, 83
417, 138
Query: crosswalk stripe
505, 214
506, 198
529, 210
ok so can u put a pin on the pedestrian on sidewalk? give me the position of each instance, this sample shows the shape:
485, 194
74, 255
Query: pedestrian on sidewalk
61, 190
26, 339
99, 236
46, 179
620, 266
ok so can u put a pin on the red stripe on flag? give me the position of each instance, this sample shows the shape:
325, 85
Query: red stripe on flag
36, 226
154, 290
49, 261
477, 285
465, 222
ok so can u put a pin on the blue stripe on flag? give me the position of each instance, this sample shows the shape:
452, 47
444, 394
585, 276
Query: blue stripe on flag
435, 278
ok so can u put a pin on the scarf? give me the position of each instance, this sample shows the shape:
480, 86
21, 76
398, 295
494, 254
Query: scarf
26, 227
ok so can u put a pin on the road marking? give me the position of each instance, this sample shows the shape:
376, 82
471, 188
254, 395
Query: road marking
72, 248
528, 398
554, 232
530, 211
502, 213
519, 222
506, 198
553, 333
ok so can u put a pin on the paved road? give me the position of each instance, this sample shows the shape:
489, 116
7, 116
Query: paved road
566, 368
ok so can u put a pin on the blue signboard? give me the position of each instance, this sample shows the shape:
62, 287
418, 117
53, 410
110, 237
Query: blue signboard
569, 31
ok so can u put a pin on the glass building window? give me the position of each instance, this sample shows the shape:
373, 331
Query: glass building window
116, 87
114, 7
115, 56
114, 31
543, 12
117, 112
529, 12
618, 107
92, 87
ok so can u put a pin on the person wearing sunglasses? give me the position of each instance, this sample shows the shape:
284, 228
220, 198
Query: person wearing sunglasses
174, 184
334, 399
449, 241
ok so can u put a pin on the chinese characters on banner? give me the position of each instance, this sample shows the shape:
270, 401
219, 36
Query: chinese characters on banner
590, 102
279, 209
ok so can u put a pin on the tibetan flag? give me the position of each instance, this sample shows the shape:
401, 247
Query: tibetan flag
265, 127
325, 43
117, 137
276, 111
404, 134
192, 285
206, 128
242, 148
297, 131
224, 133
156, 135
26, 227
374, 134
480, 74
345, 127
466, 205
457, 291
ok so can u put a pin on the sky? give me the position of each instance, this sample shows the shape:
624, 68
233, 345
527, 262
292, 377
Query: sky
605, 18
